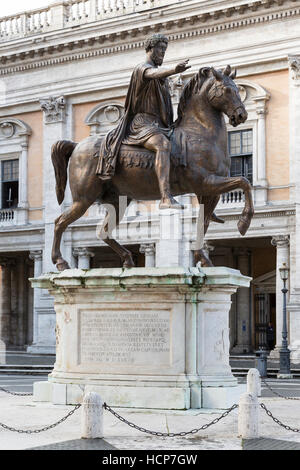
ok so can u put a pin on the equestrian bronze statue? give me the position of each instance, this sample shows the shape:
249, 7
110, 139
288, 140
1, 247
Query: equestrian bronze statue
199, 163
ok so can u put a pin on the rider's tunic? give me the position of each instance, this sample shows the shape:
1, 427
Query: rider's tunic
148, 111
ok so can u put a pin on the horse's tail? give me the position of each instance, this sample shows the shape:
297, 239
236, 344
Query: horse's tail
61, 152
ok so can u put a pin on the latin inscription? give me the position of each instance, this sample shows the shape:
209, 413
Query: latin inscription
129, 337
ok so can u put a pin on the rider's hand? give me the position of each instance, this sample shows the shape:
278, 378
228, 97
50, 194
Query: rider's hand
182, 66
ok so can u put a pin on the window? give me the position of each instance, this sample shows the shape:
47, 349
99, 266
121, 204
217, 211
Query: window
9, 183
240, 150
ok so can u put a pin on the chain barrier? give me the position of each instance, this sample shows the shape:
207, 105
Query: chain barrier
139, 428
46, 428
276, 393
18, 394
288, 428
169, 434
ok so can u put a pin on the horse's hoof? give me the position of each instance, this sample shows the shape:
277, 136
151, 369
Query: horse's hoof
201, 258
169, 203
206, 263
61, 264
243, 225
128, 263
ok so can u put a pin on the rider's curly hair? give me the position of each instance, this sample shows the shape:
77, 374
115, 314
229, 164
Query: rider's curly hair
151, 41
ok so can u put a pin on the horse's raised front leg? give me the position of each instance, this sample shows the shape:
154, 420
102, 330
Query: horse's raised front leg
113, 218
61, 223
220, 185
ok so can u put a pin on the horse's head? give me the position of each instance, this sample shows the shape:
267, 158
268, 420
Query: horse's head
223, 94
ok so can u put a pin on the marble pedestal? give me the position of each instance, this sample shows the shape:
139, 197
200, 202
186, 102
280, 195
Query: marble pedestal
143, 337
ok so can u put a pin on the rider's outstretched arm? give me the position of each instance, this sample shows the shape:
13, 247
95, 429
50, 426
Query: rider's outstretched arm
154, 72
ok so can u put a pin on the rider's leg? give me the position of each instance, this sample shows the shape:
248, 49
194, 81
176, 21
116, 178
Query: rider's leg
162, 147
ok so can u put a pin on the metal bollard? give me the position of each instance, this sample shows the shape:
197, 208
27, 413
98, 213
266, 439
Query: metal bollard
91, 416
248, 416
254, 382
261, 362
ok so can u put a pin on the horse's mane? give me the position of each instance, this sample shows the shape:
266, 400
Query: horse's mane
193, 86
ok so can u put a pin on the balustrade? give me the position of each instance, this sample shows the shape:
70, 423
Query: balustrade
236, 197
61, 15
7, 217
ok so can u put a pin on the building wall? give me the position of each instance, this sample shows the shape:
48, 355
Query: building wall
80, 112
35, 163
277, 132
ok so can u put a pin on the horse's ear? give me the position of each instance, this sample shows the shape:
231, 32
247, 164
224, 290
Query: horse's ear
227, 70
233, 74
204, 71
217, 74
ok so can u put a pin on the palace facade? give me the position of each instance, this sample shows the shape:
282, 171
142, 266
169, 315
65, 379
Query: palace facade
64, 73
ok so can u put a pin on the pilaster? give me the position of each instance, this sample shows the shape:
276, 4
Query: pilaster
294, 150
54, 129
282, 243
261, 184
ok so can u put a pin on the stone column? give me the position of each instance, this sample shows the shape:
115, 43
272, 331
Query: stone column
282, 256
14, 313
149, 250
243, 344
84, 257
22, 300
37, 257
5, 306
294, 126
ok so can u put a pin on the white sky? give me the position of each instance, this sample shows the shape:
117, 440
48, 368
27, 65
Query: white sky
10, 7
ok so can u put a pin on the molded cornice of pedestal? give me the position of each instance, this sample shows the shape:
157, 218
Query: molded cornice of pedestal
225, 276
170, 277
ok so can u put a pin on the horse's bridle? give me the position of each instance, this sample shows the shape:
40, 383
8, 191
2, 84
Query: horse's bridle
218, 92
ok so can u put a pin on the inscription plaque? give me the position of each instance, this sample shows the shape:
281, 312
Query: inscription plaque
128, 337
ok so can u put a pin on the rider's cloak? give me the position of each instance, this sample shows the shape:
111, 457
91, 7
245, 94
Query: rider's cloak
148, 111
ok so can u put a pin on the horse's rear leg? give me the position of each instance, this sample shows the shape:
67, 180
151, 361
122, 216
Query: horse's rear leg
209, 206
111, 221
77, 209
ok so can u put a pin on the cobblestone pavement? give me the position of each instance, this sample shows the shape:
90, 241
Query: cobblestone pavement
78, 444
270, 444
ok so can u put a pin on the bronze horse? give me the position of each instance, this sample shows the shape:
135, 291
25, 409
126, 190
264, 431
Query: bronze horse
204, 99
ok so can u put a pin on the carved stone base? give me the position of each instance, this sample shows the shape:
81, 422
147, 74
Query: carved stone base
143, 337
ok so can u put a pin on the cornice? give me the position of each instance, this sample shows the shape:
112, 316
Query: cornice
211, 22
266, 213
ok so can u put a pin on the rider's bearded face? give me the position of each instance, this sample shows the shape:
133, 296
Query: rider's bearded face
158, 53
